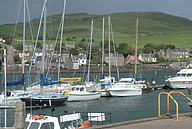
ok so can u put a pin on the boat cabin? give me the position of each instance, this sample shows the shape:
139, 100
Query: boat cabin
78, 88
127, 80
41, 122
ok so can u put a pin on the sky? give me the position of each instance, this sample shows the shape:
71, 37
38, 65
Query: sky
9, 8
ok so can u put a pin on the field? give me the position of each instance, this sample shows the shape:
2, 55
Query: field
154, 27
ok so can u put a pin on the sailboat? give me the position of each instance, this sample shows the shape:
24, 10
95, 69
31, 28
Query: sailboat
14, 96
107, 82
126, 86
44, 99
80, 92
137, 80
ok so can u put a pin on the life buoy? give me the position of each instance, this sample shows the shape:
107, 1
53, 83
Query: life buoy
37, 117
67, 93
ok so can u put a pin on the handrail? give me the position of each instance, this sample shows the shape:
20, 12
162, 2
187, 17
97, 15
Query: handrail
168, 95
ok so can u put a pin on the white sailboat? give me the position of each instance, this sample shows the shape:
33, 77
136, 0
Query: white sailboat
126, 86
80, 92
11, 97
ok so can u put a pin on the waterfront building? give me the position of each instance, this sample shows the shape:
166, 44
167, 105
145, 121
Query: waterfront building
119, 58
69, 45
147, 58
130, 59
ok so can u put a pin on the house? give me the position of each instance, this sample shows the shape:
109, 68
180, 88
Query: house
49, 47
29, 48
119, 59
179, 53
130, 59
80, 59
147, 58
65, 61
69, 45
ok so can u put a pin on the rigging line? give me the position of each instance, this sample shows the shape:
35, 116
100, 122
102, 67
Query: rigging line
114, 51
30, 22
15, 27
53, 49
42, 14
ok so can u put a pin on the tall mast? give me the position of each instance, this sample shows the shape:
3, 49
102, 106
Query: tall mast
109, 47
136, 39
103, 43
5, 71
23, 60
63, 16
44, 37
91, 39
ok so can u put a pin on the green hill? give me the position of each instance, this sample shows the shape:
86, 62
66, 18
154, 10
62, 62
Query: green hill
155, 27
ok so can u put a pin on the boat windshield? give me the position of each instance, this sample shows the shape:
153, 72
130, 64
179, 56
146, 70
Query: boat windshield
26, 125
178, 75
48, 125
34, 125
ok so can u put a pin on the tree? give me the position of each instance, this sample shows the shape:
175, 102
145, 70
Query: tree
82, 45
73, 51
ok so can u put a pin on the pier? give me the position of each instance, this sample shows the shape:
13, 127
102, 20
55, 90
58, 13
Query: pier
152, 123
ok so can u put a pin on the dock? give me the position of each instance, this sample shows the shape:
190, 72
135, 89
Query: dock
184, 122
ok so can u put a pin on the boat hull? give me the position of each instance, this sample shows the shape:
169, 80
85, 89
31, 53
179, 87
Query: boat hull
124, 92
44, 102
176, 84
105, 93
84, 96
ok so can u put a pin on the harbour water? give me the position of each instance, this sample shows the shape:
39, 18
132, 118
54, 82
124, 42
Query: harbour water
125, 108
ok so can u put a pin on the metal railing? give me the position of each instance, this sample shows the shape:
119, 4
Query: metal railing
168, 97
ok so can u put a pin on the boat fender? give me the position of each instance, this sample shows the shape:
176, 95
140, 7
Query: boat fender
67, 93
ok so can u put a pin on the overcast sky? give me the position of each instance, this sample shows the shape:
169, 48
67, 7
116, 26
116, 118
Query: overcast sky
9, 8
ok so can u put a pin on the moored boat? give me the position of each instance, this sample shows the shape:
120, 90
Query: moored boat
79, 93
45, 100
125, 88
183, 79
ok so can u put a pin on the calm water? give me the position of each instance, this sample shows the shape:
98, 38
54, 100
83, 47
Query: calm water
125, 108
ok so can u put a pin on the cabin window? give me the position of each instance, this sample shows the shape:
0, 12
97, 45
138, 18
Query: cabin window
49, 125
77, 88
111, 80
73, 89
178, 75
34, 125
189, 75
8, 94
183, 75
82, 89
26, 125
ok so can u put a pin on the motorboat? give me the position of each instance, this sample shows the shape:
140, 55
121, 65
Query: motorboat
45, 100
183, 79
104, 85
80, 93
125, 87
12, 97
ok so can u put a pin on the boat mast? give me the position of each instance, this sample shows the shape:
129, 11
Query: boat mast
44, 38
109, 48
23, 61
136, 39
63, 16
5, 74
91, 39
103, 44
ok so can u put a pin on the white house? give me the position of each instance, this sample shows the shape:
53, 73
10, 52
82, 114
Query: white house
147, 58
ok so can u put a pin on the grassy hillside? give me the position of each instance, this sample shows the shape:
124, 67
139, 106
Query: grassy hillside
159, 27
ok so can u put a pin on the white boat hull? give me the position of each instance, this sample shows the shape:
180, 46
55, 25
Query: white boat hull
123, 92
84, 96
105, 93
177, 84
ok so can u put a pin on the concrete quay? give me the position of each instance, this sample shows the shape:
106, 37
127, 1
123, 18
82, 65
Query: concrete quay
184, 122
